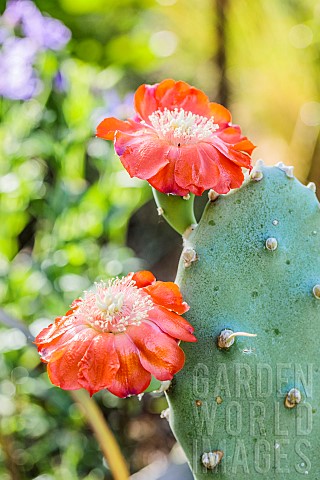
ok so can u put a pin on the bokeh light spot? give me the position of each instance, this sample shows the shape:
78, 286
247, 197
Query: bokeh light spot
300, 36
164, 43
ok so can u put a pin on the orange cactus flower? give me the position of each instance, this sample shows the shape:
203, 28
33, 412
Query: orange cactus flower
179, 141
117, 335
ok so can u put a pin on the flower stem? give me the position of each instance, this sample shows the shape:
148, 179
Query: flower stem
105, 437
177, 211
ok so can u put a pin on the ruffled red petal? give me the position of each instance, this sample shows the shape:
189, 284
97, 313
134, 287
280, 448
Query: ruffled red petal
165, 180
145, 101
168, 295
60, 326
221, 114
172, 324
63, 372
131, 378
143, 278
109, 126
232, 153
100, 364
54, 337
142, 156
231, 134
51, 332
170, 94
53, 349
159, 353
245, 146
202, 167
231, 175
197, 169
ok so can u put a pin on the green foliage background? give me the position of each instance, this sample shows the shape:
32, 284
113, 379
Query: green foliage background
65, 201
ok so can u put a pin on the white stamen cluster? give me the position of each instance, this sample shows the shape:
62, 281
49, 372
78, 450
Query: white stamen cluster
181, 127
113, 306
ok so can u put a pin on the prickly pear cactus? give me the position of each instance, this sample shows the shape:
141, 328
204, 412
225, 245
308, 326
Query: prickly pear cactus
249, 407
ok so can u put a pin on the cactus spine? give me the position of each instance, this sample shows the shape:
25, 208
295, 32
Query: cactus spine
252, 409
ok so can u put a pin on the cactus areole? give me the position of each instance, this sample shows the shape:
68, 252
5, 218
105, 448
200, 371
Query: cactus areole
249, 407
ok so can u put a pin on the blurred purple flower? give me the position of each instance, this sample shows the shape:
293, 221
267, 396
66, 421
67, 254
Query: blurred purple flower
18, 78
47, 32
55, 34
60, 82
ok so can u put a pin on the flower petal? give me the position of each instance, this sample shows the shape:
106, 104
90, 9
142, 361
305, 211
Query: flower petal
231, 174
159, 353
172, 324
197, 170
52, 350
231, 134
202, 166
143, 278
221, 114
131, 378
245, 146
165, 180
142, 156
100, 363
170, 94
107, 128
145, 101
168, 295
232, 153
63, 372
57, 335
60, 325
52, 331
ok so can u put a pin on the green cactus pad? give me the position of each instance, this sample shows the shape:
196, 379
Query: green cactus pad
256, 265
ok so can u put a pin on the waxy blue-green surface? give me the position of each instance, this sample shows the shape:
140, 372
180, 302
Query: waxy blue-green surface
234, 400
